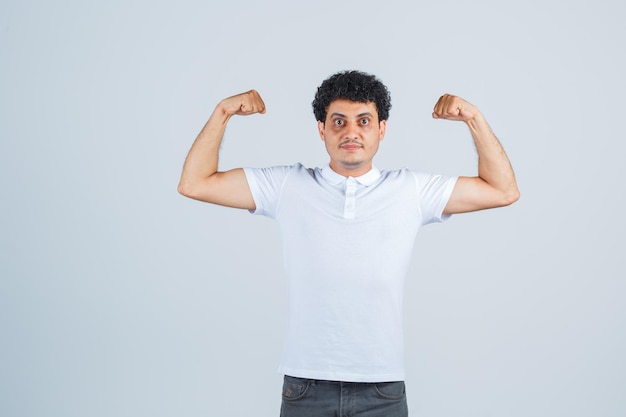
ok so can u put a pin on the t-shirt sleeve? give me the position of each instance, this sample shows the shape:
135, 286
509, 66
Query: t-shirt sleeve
266, 186
434, 191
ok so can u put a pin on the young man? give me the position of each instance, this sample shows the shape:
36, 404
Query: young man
348, 231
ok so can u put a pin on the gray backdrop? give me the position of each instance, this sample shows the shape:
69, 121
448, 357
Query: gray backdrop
118, 297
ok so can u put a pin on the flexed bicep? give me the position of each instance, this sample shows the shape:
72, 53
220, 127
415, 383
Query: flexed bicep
200, 178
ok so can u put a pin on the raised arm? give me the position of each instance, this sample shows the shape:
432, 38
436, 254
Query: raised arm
495, 185
200, 178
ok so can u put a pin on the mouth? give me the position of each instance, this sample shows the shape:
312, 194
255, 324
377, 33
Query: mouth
350, 146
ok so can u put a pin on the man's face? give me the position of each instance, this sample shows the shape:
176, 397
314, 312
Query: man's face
351, 133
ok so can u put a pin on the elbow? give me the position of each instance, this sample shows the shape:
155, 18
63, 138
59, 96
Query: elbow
511, 196
181, 189
185, 189
194, 190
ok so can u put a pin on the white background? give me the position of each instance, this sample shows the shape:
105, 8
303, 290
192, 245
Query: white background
119, 297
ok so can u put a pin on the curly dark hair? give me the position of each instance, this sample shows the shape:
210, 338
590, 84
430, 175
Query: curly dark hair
355, 86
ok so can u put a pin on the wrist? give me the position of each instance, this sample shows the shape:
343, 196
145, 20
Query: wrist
221, 113
477, 122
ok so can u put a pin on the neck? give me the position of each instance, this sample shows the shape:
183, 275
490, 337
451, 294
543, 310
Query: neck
350, 171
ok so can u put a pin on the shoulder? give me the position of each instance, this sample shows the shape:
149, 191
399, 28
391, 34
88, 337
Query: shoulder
270, 170
424, 181
423, 178
279, 173
400, 174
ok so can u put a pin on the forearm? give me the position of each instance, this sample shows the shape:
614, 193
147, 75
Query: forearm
494, 166
202, 159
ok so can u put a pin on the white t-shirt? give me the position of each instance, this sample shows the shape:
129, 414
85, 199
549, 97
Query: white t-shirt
347, 246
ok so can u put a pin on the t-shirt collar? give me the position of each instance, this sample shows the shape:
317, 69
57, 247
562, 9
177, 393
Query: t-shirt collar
367, 179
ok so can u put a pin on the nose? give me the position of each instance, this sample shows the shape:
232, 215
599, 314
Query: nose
351, 131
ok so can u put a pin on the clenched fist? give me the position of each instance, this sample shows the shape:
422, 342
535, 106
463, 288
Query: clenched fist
451, 107
243, 104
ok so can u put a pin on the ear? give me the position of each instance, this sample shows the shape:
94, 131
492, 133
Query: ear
382, 126
320, 129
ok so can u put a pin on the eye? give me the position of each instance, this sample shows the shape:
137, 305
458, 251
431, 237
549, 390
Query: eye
339, 122
365, 121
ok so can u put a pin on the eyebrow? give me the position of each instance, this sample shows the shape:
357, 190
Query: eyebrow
368, 114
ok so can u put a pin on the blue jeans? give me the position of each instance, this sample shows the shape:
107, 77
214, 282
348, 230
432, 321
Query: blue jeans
312, 398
